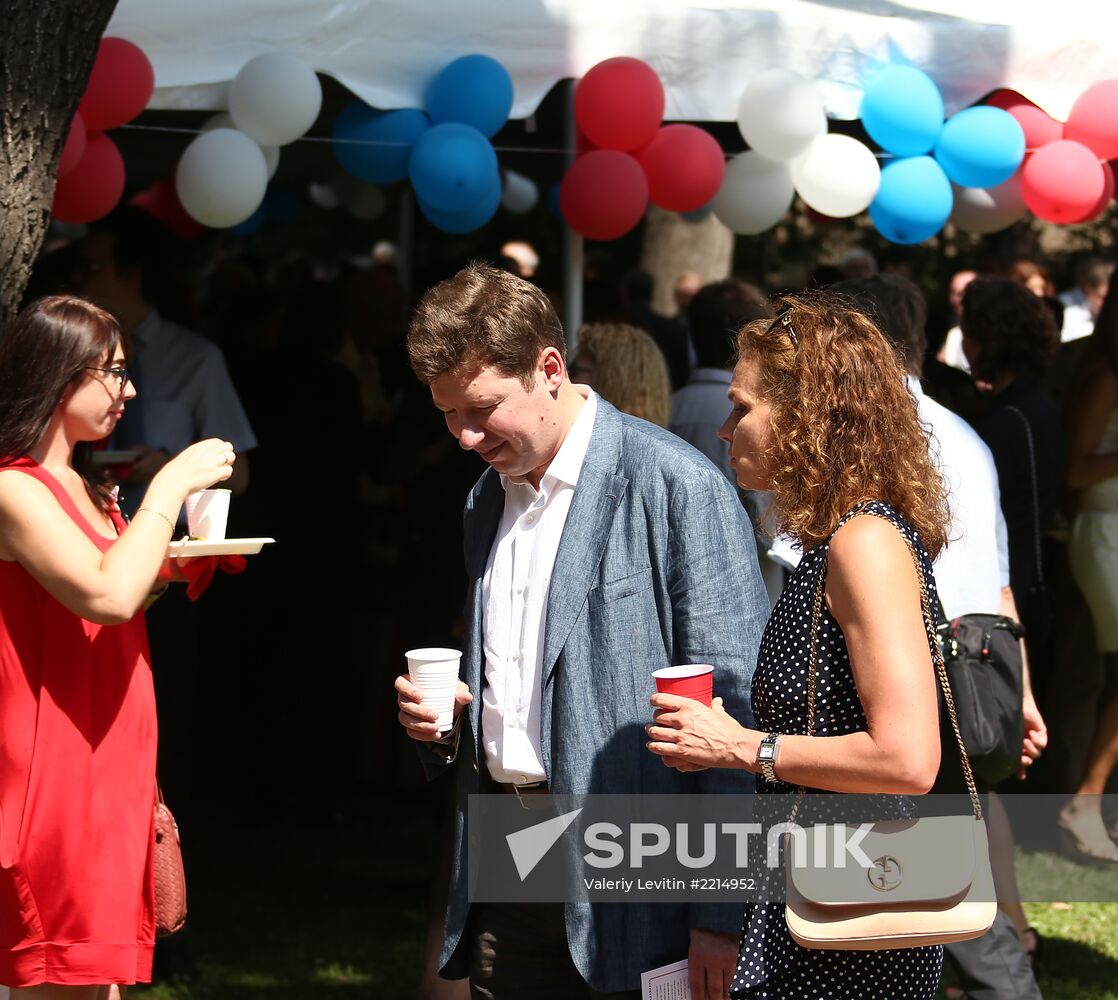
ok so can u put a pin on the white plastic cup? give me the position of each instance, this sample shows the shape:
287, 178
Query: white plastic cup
434, 671
206, 514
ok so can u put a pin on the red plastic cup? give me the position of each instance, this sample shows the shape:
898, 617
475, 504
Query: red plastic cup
688, 680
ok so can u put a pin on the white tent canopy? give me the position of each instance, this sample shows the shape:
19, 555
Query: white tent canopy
386, 51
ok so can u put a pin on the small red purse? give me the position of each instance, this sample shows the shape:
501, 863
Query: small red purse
170, 876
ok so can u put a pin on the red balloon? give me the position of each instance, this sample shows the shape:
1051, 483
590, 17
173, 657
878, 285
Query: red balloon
1039, 127
1103, 203
684, 165
93, 188
161, 201
619, 103
120, 85
73, 147
1062, 182
603, 194
1094, 119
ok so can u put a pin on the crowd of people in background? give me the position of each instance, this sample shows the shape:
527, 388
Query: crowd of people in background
302, 367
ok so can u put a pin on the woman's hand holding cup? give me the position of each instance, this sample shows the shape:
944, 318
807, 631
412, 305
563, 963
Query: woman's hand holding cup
690, 736
198, 466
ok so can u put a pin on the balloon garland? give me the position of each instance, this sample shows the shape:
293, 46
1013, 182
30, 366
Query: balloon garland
980, 170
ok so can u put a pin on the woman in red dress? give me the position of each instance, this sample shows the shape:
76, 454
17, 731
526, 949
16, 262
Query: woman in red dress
77, 710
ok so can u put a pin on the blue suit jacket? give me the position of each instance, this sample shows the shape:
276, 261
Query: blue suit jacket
656, 565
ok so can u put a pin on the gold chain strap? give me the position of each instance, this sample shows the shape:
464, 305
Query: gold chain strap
933, 643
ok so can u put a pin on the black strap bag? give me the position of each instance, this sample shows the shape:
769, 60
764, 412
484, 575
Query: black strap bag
982, 654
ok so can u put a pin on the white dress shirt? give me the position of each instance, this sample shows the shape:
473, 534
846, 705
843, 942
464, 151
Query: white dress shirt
514, 592
1078, 321
953, 350
971, 571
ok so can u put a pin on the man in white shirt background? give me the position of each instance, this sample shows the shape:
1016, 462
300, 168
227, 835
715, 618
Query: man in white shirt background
1082, 303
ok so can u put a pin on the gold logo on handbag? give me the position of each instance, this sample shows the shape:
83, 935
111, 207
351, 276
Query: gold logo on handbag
885, 874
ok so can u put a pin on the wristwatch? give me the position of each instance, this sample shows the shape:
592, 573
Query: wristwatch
766, 756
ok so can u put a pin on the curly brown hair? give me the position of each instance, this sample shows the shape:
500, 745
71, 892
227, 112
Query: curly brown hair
845, 426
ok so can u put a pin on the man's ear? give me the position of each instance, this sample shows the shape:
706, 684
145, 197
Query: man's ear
552, 368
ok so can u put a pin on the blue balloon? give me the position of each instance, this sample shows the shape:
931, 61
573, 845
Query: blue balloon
914, 200
467, 220
474, 90
981, 147
902, 111
375, 146
453, 166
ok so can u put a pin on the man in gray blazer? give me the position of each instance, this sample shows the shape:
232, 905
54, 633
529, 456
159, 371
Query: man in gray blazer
599, 547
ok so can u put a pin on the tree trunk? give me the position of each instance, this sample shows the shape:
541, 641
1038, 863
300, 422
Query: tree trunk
47, 50
673, 246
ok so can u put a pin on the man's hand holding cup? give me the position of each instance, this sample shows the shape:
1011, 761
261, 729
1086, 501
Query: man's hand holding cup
431, 697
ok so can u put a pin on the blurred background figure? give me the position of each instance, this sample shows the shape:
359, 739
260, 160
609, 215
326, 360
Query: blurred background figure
1034, 276
385, 252
951, 353
857, 264
1093, 552
525, 255
685, 288
669, 332
1083, 302
716, 314
1009, 337
624, 365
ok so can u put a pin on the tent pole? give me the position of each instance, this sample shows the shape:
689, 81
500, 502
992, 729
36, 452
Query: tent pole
572, 245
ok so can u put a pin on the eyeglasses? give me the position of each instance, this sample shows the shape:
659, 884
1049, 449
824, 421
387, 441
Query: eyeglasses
120, 374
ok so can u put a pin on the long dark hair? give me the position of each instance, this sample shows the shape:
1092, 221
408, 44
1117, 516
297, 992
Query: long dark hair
43, 352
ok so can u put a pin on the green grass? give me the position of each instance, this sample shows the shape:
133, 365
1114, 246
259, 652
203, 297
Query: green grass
290, 910
297, 911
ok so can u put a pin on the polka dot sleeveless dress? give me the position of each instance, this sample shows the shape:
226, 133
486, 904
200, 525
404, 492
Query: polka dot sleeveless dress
771, 966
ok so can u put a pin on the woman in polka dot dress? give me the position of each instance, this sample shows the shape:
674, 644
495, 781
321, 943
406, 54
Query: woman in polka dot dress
822, 417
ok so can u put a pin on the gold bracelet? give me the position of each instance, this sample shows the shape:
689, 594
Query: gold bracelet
152, 510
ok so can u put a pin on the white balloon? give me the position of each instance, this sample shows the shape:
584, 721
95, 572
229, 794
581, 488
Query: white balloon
225, 120
221, 178
780, 114
275, 98
519, 194
837, 176
988, 210
755, 193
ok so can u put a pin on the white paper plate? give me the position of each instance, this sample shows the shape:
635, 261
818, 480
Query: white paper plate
111, 457
225, 547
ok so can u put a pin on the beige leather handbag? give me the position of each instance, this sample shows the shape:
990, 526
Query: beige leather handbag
929, 881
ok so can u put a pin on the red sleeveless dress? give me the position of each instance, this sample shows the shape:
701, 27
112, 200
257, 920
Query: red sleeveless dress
77, 784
